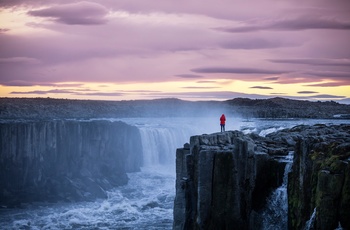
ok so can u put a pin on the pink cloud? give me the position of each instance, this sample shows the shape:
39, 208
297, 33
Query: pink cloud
157, 41
80, 13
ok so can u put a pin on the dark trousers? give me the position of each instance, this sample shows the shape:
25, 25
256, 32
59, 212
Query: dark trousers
222, 127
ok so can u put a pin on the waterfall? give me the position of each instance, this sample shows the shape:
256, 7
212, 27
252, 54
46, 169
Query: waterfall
161, 137
309, 224
159, 145
275, 214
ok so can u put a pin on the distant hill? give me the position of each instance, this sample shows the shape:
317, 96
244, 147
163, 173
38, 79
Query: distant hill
286, 108
48, 108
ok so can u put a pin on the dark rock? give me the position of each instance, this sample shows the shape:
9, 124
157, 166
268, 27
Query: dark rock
319, 178
223, 179
220, 180
65, 160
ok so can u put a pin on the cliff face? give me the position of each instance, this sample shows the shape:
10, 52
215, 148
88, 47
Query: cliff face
65, 160
216, 177
320, 178
223, 179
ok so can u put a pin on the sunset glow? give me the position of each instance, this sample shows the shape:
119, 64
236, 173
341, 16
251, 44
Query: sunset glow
127, 50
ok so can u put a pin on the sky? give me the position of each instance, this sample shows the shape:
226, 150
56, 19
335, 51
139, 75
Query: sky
191, 50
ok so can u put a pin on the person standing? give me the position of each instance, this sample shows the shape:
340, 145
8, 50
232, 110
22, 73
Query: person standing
222, 122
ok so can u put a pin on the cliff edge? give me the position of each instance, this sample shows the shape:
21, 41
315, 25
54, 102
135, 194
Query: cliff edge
65, 159
223, 179
217, 181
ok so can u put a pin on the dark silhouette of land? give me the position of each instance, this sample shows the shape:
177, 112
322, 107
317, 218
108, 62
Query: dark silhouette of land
47, 108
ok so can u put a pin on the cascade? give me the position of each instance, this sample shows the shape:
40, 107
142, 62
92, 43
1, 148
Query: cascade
161, 137
310, 223
275, 214
159, 144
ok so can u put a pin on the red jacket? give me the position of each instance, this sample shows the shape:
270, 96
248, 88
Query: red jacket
222, 119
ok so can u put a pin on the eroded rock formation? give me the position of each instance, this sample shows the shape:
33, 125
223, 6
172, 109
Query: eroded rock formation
223, 179
216, 177
65, 160
320, 178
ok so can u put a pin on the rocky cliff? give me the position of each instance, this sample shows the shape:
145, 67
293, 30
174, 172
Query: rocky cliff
223, 179
320, 178
65, 160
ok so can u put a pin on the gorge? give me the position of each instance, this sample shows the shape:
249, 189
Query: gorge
83, 165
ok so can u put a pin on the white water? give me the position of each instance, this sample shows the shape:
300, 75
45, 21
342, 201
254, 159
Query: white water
147, 201
309, 224
275, 213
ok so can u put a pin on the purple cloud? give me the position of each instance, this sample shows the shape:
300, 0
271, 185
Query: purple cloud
257, 43
271, 78
236, 70
3, 30
204, 82
80, 13
189, 76
327, 84
260, 87
40, 92
24, 60
326, 96
30, 83
330, 74
307, 92
314, 61
155, 40
290, 24
199, 87
101, 94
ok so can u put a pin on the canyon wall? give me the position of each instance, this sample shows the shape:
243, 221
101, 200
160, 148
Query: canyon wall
320, 178
223, 179
65, 159
217, 177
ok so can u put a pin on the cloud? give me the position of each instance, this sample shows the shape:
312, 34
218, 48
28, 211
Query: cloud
289, 24
278, 93
257, 43
326, 96
26, 60
316, 78
189, 76
80, 13
307, 92
159, 41
330, 74
220, 95
314, 61
3, 30
31, 83
17, 83
40, 92
271, 78
327, 84
260, 87
101, 94
204, 82
199, 87
236, 70
72, 92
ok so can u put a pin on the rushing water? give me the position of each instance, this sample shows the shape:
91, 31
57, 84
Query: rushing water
146, 202
275, 213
